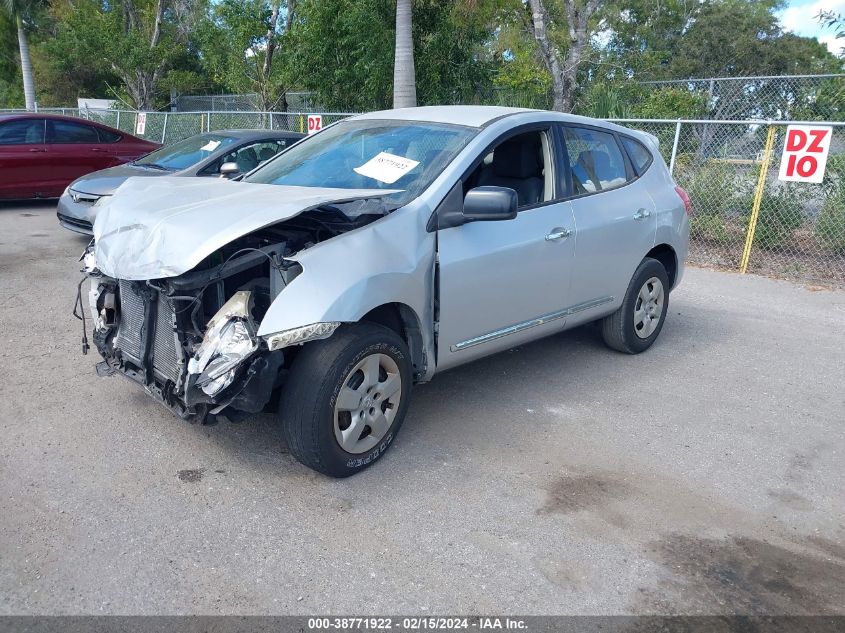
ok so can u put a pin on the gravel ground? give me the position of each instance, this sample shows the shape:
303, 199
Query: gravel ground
558, 478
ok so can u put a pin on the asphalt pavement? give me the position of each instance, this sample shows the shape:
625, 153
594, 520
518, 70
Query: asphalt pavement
704, 476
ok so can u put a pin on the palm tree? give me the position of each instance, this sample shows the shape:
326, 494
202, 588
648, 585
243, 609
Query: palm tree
16, 9
404, 77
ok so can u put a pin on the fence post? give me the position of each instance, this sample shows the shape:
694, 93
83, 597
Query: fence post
675, 148
271, 120
164, 128
208, 128
758, 199
117, 123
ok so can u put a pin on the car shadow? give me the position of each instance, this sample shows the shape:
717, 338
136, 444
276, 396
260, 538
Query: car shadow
511, 380
38, 203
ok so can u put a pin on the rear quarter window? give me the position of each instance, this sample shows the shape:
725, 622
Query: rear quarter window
640, 157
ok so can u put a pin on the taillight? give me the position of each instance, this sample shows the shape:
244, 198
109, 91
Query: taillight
684, 196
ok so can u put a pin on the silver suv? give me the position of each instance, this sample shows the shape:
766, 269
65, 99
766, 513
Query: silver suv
374, 254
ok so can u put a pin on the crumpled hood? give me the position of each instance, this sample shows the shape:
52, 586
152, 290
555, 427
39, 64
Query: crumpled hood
163, 227
105, 181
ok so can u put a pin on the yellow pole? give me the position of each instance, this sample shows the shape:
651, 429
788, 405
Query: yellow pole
301, 124
758, 199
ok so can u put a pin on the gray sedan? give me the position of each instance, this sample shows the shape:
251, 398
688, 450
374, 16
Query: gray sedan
200, 155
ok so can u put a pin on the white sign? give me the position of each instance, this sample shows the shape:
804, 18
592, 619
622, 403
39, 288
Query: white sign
95, 104
210, 146
315, 123
805, 153
386, 168
140, 123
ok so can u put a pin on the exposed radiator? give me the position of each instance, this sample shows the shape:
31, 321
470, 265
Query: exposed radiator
165, 357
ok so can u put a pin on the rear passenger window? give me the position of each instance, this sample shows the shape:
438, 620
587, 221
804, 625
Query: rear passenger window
67, 132
107, 136
595, 160
640, 157
22, 132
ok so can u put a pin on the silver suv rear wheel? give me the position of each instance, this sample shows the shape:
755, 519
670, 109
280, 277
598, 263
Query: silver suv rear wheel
635, 326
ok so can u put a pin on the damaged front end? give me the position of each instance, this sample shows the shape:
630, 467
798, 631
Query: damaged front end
191, 340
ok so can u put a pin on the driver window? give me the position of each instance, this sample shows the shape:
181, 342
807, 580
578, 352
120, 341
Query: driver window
522, 163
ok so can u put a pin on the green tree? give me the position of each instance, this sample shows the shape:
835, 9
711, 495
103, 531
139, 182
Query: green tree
238, 43
138, 42
17, 11
343, 50
563, 31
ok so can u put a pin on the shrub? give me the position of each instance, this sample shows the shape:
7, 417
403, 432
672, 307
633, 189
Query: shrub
711, 187
830, 229
780, 216
709, 227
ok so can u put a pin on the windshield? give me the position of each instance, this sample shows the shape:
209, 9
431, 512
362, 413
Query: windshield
185, 153
404, 155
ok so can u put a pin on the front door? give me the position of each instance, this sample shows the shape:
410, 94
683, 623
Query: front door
504, 282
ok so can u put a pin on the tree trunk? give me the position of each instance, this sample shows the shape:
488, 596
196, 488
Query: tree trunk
404, 75
563, 70
26, 67
271, 40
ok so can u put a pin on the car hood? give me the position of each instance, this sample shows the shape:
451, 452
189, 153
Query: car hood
158, 228
105, 181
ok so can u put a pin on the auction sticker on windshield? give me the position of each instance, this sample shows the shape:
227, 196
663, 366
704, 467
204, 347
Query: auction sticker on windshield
210, 146
386, 168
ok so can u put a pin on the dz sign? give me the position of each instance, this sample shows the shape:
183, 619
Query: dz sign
315, 123
805, 153
140, 123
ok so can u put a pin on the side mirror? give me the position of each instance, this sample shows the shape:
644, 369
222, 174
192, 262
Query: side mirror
229, 170
490, 203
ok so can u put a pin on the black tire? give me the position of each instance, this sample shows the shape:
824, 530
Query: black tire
307, 404
618, 329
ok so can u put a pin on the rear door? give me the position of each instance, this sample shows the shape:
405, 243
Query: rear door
76, 150
23, 158
614, 217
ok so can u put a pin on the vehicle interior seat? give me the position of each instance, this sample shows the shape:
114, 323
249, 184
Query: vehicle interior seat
594, 171
517, 165
247, 160
266, 154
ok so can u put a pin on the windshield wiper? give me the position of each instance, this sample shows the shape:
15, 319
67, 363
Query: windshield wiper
152, 166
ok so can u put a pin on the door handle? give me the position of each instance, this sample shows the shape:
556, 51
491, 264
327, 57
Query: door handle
642, 214
37, 149
97, 149
558, 233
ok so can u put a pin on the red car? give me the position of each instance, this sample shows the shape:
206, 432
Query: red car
41, 154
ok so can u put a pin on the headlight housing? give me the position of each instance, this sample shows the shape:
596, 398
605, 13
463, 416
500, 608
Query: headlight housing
89, 260
229, 340
299, 335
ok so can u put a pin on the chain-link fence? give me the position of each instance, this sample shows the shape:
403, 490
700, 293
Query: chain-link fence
250, 102
170, 127
798, 228
780, 97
